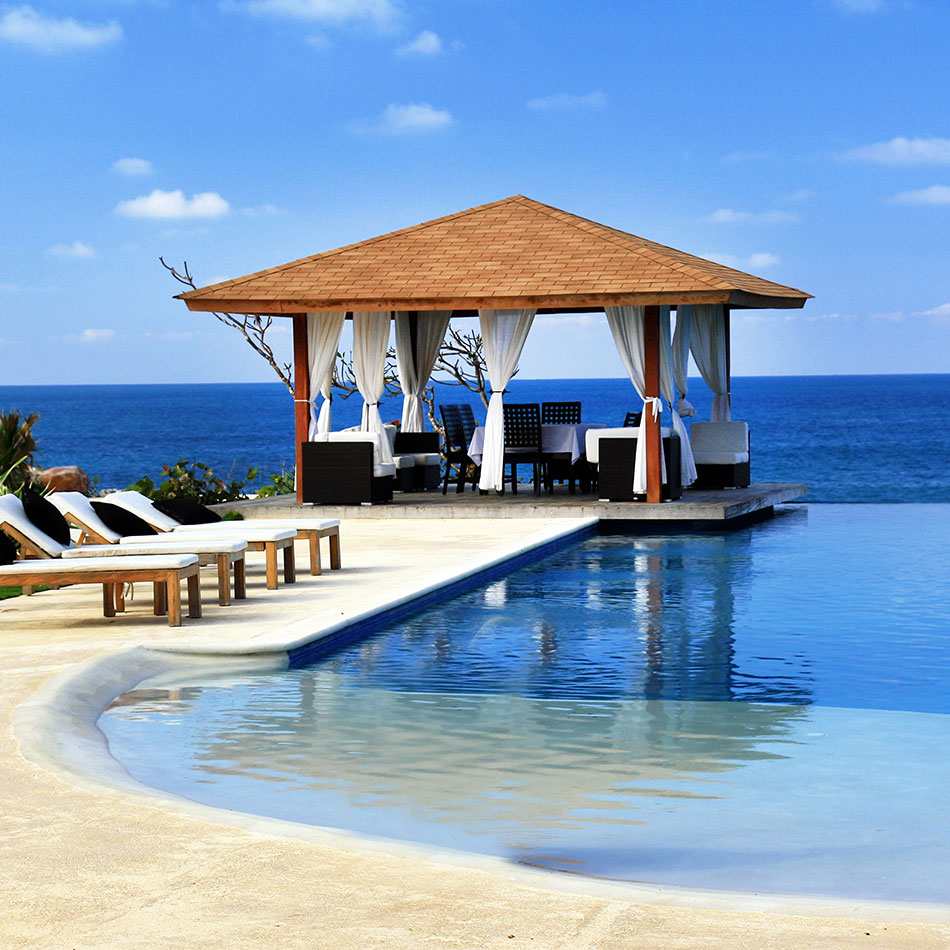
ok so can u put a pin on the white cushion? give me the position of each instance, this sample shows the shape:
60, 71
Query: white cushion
404, 461
73, 504
719, 437
139, 505
12, 513
383, 470
179, 546
427, 458
594, 436
720, 458
279, 524
244, 530
73, 565
391, 434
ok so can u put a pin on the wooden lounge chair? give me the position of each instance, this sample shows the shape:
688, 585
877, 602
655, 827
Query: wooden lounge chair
227, 554
165, 572
311, 530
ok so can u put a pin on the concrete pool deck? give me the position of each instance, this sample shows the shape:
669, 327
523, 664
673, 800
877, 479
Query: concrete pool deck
89, 860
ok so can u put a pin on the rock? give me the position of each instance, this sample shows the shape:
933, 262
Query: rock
64, 478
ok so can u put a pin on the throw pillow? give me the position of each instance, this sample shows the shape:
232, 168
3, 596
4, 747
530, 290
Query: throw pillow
45, 515
120, 520
186, 511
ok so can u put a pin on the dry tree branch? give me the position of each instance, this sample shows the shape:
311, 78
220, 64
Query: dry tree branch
253, 327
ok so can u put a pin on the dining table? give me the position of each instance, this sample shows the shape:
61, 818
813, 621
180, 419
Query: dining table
559, 438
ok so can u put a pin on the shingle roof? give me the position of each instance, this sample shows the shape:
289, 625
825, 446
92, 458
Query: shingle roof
511, 253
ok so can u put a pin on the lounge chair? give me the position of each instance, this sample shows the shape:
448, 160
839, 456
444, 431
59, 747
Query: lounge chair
304, 529
613, 452
165, 572
227, 554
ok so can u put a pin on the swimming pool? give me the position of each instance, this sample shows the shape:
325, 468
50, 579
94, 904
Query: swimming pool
765, 710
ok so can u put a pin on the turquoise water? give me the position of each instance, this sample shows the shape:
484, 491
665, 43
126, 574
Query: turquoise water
766, 710
851, 438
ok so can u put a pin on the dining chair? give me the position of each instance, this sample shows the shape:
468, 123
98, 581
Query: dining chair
523, 443
566, 413
457, 437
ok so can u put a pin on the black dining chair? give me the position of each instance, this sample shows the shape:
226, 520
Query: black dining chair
523, 443
458, 435
560, 413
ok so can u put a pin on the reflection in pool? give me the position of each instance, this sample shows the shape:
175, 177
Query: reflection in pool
764, 710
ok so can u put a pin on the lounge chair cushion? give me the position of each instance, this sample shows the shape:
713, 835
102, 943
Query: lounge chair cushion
7, 549
134, 562
144, 507
593, 437
427, 458
720, 443
45, 516
75, 506
162, 544
121, 520
185, 511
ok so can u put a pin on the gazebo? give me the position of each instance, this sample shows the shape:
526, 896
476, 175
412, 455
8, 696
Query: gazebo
503, 262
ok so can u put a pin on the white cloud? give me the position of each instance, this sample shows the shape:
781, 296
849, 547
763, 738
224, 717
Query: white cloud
578, 321
10, 288
426, 43
25, 26
174, 204
319, 42
262, 211
76, 249
892, 316
901, 151
93, 335
415, 118
802, 194
567, 102
132, 166
861, 6
741, 156
939, 314
758, 261
729, 216
934, 195
379, 12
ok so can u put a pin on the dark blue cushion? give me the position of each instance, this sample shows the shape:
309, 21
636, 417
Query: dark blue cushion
45, 515
120, 520
185, 511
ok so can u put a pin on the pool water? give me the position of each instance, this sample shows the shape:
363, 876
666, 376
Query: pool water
765, 710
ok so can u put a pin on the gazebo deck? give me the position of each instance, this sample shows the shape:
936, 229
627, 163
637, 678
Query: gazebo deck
708, 508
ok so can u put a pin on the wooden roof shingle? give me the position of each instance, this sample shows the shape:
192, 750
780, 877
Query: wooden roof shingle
511, 253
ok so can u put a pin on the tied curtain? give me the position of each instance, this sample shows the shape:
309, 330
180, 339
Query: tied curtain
503, 336
323, 341
626, 325
681, 337
418, 341
708, 346
370, 345
687, 462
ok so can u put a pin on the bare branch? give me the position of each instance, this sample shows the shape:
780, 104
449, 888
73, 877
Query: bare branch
252, 327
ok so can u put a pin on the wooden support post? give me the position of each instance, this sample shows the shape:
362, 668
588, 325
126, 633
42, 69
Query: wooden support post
651, 387
727, 321
301, 396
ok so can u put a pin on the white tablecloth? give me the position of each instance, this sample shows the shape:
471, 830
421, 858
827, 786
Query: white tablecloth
554, 438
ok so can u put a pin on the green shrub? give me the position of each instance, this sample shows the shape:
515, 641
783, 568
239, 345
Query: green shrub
17, 446
232, 516
194, 481
282, 484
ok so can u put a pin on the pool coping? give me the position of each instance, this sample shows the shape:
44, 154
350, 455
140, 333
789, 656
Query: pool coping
57, 728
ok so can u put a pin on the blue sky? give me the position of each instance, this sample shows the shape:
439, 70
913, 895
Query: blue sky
807, 141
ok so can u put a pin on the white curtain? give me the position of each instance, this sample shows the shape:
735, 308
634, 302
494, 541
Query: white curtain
681, 337
708, 345
415, 363
503, 336
667, 371
626, 325
323, 341
370, 344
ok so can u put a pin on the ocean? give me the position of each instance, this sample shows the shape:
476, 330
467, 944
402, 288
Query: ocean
851, 438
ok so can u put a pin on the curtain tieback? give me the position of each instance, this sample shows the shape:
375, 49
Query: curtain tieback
307, 401
500, 392
372, 404
657, 404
